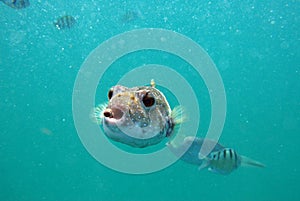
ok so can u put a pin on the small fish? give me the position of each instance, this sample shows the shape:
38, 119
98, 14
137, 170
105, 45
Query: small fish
16, 4
138, 116
129, 16
65, 22
220, 160
227, 160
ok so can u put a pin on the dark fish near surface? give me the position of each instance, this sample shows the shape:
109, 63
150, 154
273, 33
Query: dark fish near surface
138, 116
65, 22
16, 4
129, 16
220, 160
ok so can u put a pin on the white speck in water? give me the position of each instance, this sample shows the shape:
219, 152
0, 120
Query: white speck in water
162, 39
284, 45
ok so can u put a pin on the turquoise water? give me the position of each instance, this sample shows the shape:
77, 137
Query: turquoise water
255, 46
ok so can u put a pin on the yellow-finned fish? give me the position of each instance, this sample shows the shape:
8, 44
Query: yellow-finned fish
138, 116
65, 22
16, 4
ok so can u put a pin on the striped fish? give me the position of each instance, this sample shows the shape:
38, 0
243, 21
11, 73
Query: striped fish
16, 4
220, 160
65, 22
223, 161
227, 160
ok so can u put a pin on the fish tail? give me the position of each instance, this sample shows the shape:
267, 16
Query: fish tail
245, 161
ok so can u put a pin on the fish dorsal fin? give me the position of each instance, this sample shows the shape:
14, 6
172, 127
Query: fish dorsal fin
152, 83
245, 161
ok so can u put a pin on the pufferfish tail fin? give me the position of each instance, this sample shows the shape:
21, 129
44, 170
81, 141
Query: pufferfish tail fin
96, 114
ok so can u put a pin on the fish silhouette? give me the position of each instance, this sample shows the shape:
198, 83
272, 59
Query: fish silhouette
65, 22
16, 4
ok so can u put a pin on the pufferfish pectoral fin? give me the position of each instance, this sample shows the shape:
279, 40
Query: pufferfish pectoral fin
175, 119
177, 115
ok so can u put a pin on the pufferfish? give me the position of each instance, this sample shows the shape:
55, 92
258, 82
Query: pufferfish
220, 160
140, 116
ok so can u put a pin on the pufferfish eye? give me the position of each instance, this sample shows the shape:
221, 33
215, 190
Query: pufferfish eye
110, 93
148, 100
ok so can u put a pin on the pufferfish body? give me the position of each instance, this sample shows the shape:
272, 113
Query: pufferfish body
138, 116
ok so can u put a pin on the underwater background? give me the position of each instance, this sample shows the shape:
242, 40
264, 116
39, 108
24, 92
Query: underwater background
255, 46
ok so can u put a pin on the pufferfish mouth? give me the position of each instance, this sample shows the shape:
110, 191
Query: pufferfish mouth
113, 114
